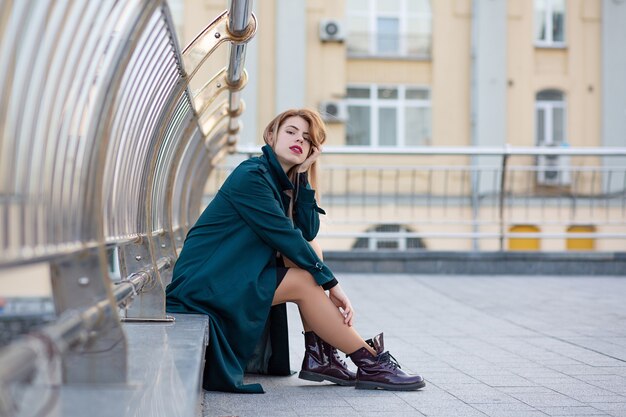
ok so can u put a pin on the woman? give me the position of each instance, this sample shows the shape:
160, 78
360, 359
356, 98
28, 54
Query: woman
253, 248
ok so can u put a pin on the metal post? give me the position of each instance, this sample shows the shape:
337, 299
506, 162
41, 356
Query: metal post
505, 157
239, 23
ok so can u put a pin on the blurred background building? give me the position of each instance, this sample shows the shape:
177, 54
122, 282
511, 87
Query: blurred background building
393, 76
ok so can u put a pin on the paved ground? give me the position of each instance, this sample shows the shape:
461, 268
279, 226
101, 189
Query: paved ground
495, 346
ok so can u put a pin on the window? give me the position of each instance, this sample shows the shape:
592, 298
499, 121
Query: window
400, 242
550, 131
389, 27
550, 23
388, 116
550, 118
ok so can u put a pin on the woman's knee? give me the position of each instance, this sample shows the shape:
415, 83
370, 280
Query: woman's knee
305, 280
297, 284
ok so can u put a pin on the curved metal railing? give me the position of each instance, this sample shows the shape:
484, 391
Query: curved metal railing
104, 148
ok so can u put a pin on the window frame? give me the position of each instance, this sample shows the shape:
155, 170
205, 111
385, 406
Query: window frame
400, 104
548, 107
373, 242
549, 42
371, 14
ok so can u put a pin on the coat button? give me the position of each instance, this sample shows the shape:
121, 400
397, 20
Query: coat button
318, 266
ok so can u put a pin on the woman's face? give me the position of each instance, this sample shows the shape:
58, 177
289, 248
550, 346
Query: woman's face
292, 144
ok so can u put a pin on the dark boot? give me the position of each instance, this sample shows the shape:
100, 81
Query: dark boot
322, 363
382, 371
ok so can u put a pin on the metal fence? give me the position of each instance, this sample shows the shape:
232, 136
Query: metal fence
101, 144
470, 198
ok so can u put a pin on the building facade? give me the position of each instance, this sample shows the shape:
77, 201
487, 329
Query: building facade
407, 74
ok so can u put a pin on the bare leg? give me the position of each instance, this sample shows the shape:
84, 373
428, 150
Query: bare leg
305, 325
288, 263
320, 313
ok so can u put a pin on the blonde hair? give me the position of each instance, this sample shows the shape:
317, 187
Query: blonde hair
317, 135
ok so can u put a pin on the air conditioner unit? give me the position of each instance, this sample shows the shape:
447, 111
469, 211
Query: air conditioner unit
553, 170
333, 111
332, 30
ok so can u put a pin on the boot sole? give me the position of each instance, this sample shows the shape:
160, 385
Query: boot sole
311, 376
389, 387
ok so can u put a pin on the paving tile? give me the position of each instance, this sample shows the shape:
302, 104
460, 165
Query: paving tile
354, 393
305, 400
512, 413
449, 408
505, 381
455, 377
572, 411
391, 403
267, 413
616, 370
413, 413
504, 409
582, 369
611, 407
600, 380
578, 390
551, 381
522, 390
428, 397
312, 411
467, 413
499, 398
546, 400
593, 399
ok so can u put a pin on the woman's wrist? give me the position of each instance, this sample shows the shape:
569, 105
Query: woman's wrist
330, 284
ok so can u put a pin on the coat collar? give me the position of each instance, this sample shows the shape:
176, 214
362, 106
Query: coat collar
276, 169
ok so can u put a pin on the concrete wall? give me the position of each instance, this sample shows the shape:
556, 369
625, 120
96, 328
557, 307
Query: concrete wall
614, 81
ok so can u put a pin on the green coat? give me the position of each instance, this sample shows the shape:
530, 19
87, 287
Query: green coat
227, 268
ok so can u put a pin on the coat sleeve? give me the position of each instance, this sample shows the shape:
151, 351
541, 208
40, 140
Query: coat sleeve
306, 211
254, 200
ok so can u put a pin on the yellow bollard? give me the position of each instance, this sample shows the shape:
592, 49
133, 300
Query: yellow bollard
577, 243
524, 243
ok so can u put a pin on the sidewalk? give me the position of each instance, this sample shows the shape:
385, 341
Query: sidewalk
501, 346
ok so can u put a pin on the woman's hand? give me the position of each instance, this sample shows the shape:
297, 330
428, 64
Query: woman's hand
341, 300
315, 153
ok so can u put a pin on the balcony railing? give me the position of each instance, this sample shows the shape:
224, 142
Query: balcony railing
382, 45
470, 198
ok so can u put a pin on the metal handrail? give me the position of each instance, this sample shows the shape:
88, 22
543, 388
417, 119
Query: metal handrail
239, 23
460, 150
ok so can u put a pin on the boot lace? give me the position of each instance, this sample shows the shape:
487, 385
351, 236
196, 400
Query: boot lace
387, 359
338, 357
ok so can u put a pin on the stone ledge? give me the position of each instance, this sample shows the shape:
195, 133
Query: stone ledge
165, 364
478, 263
